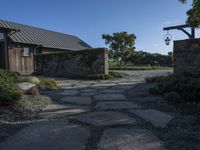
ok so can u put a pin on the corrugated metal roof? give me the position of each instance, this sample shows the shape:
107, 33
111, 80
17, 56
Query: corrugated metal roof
46, 38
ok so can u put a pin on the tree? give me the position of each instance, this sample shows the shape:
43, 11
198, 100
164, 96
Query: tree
121, 45
193, 13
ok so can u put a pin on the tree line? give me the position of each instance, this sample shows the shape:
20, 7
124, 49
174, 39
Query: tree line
122, 49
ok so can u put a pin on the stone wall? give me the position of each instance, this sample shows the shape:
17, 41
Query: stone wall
187, 57
73, 63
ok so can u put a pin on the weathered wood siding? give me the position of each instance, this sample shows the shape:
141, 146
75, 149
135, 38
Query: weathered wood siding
19, 63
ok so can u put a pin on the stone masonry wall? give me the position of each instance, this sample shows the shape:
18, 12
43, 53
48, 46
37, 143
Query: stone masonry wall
187, 57
73, 63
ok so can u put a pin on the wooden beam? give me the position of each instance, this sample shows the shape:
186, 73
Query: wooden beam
181, 27
176, 27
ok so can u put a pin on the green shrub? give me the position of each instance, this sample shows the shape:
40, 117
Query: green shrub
172, 97
8, 94
7, 77
154, 90
48, 84
187, 87
155, 79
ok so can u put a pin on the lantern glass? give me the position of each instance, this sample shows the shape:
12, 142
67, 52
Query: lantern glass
167, 41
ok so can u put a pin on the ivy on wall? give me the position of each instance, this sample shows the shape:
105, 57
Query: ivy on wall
88, 60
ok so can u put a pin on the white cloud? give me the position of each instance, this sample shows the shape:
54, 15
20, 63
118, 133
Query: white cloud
155, 45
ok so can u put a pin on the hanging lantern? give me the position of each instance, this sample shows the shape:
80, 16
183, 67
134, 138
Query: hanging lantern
167, 38
167, 41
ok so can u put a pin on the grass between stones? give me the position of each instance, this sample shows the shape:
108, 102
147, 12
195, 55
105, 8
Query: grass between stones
111, 75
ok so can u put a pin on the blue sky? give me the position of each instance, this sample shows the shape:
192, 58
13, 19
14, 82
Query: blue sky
89, 19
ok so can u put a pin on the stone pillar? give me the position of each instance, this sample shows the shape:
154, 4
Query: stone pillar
187, 57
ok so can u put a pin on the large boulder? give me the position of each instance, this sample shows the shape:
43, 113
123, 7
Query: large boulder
27, 88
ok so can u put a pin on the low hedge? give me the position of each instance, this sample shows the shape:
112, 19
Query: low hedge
142, 68
182, 89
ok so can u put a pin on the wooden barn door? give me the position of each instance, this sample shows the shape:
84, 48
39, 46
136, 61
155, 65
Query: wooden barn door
20, 63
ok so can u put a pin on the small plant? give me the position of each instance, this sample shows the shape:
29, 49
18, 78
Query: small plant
33, 80
48, 84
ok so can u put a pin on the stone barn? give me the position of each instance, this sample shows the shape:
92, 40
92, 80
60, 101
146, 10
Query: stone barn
26, 50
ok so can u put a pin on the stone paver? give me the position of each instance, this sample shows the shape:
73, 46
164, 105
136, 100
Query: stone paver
105, 118
89, 94
70, 92
130, 139
88, 91
110, 97
111, 91
58, 110
52, 135
123, 87
116, 105
80, 100
156, 117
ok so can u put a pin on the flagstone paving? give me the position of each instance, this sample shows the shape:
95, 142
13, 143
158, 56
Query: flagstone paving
111, 91
95, 115
69, 92
60, 110
49, 135
110, 97
105, 118
85, 100
157, 118
116, 105
130, 139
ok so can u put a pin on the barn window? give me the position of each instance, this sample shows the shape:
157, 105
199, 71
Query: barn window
1, 36
26, 51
